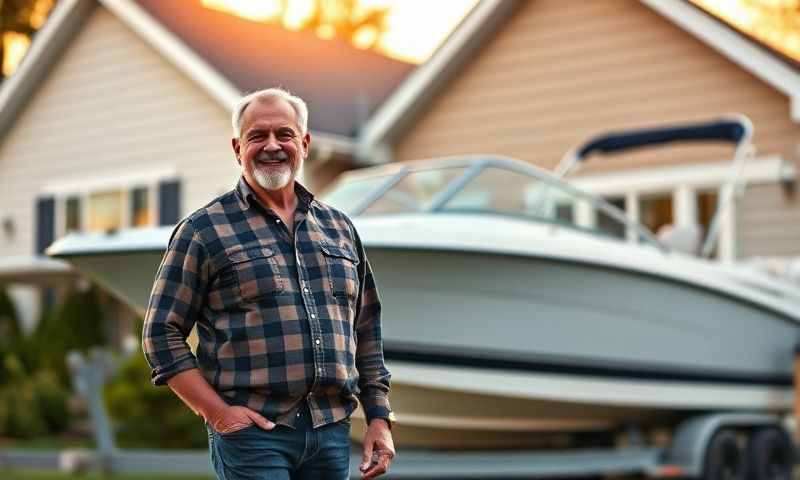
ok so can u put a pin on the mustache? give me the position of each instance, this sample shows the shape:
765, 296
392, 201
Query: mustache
272, 156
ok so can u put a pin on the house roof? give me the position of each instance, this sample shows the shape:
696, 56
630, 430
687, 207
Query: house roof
409, 100
341, 84
228, 57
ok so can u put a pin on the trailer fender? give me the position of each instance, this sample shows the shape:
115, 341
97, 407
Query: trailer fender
688, 447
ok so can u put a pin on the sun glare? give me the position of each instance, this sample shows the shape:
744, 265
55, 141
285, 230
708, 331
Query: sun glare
15, 45
414, 28
256, 10
774, 22
297, 14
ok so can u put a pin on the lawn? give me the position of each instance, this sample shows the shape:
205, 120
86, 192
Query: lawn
53, 475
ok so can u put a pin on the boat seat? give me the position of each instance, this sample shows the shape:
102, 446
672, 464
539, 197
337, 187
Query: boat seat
684, 238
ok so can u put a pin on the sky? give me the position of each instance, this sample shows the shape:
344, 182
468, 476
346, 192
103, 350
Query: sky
415, 27
774, 22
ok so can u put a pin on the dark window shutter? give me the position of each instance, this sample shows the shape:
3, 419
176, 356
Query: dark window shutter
169, 202
45, 223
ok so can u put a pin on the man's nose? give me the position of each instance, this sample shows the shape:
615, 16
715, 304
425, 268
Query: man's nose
272, 144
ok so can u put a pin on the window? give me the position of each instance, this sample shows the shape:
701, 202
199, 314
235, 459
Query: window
608, 224
111, 203
655, 211
140, 208
105, 210
73, 214
415, 191
348, 195
706, 208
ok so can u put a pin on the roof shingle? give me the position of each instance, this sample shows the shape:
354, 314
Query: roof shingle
341, 84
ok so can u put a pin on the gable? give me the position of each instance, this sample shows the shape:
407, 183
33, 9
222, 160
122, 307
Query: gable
560, 72
342, 85
112, 108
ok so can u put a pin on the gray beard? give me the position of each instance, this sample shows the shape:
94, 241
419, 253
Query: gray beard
273, 178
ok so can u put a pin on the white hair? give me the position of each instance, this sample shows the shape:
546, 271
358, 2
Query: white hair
298, 105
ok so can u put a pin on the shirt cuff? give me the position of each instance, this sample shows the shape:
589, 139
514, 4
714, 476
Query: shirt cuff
376, 405
160, 375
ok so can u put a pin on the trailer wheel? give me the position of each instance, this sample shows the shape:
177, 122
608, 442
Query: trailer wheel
725, 459
770, 455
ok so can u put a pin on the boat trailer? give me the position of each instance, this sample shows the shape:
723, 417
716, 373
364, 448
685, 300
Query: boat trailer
712, 446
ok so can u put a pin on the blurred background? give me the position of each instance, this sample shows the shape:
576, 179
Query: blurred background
115, 115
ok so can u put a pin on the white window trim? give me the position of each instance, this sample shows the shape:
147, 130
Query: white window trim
701, 176
84, 187
685, 182
108, 181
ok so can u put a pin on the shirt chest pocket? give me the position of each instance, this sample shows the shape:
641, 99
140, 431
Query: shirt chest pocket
342, 269
252, 272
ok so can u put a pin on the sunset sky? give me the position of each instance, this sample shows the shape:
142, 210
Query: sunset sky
773, 22
415, 27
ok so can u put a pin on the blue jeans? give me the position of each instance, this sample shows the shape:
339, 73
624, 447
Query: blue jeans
282, 453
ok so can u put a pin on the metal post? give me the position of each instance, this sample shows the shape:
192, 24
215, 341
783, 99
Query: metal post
88, 377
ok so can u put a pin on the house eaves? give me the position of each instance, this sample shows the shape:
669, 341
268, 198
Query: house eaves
418, 90
412, 96
49, 43
65, 22
737, 48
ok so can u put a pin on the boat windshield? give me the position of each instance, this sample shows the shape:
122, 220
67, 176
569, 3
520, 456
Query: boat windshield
488, 186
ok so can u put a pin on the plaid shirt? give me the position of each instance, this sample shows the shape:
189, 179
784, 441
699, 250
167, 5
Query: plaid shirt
280, 317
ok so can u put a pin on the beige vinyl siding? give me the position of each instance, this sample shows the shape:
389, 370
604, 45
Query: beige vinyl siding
768, 221
112, 106
560, 72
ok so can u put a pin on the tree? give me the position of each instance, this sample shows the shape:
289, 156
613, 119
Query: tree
23, 17
347, 19
773, 22
10, 331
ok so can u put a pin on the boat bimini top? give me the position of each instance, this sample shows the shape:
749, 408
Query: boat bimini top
502, 186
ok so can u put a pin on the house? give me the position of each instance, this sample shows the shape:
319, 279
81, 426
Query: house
531, 80
119, 116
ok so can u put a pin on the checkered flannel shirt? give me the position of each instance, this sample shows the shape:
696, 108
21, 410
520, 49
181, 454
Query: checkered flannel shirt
280, 317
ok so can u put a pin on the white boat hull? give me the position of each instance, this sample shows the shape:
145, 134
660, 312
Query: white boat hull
503, 347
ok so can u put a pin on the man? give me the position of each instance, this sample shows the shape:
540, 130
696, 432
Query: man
287, 315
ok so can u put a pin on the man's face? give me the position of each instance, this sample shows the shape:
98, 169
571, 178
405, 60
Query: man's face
271, 148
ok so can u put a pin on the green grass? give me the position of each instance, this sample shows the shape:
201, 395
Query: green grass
53, 475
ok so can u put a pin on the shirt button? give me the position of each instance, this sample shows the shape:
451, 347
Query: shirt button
313, 316
278, 221
298, 415
305, 290
316, 341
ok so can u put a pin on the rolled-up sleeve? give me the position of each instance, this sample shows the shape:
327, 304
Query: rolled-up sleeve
374, 377
175, 302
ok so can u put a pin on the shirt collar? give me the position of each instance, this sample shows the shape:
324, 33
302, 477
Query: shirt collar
246, 195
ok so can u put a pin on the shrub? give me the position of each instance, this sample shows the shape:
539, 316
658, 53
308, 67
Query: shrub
145, 416
21, 420
29, 404
51, 401
10, 331
76, 324
33, 396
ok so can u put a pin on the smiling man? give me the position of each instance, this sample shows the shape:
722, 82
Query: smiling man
287, 315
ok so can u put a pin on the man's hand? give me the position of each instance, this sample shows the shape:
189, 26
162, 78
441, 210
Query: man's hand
378, 449
232, 418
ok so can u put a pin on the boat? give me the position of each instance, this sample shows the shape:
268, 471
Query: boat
518, 309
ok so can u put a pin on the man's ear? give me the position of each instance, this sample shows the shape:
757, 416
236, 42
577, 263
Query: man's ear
306, 143
236, 146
